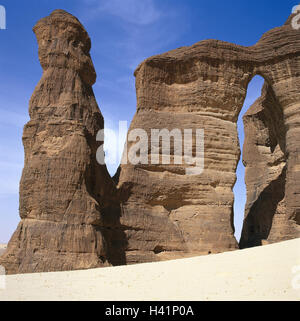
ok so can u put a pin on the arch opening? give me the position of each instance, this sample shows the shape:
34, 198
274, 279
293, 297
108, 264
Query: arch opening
253, 93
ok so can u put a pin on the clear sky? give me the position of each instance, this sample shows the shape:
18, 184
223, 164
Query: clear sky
123, 33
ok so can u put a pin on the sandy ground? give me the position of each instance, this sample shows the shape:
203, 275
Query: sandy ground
270, 272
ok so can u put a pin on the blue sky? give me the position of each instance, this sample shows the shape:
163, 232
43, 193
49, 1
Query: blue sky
123, 33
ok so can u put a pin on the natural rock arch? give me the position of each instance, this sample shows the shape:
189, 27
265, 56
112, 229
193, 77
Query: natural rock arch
205, 85
156, 212
264, 158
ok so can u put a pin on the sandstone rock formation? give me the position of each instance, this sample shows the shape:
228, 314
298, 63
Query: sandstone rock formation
74, 217
170, 214
63, 190
265, 159
272, 149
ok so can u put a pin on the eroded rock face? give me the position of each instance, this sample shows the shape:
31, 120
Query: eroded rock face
63, 190
171, 214
74, 217
264, 156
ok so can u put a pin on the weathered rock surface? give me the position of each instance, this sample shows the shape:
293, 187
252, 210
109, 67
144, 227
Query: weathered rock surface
170, 214
271, 153
72, 215
63, 190
264, 156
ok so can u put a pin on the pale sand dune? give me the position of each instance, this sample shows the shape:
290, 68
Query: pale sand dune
261, 273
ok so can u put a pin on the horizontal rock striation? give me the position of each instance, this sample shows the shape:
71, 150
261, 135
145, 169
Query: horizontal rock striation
265, 159
73, 216
170, 214
63, 191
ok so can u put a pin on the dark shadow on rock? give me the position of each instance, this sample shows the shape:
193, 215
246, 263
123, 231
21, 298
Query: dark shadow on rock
258, 223
116, 177
114, 235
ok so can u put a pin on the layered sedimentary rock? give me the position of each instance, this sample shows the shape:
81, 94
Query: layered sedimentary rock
170, 214
73, 216
63, 191
271, 152
265, 159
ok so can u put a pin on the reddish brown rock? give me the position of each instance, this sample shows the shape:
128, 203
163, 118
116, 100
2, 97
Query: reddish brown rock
170, 214
63, 190
264, 156
72, 215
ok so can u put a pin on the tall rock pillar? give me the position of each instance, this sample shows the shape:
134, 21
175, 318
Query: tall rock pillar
63, 190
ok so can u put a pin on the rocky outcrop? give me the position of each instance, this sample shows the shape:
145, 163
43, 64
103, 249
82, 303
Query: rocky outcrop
272, 149
74, 217
63, 191
170, 214
265, 159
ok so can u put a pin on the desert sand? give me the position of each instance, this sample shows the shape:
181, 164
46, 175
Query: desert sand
270, 272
